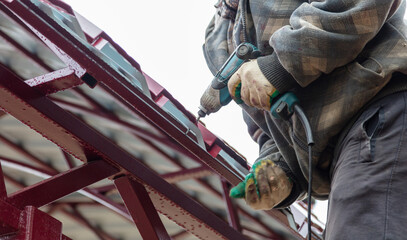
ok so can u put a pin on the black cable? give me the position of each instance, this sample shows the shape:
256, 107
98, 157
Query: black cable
305, 123
309, 189
310, 141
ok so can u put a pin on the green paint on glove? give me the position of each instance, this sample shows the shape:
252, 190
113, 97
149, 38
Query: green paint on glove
273, 97
238, 191
238, 96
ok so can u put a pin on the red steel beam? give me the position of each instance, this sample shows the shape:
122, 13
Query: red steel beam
60, 185
186, 174
139, 204
9, 218
55, 81
231, 207
3, 191
38, 225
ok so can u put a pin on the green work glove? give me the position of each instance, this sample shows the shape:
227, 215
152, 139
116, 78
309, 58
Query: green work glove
264, 187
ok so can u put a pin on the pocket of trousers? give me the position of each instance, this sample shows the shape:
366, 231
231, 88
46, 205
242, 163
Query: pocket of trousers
371, 128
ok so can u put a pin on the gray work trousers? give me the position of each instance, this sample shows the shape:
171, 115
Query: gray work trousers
368, 198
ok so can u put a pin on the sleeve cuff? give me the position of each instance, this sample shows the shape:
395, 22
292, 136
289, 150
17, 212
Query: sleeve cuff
272, 69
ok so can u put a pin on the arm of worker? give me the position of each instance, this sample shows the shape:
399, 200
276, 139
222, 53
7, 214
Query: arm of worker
216, 48
271, 183
321, 36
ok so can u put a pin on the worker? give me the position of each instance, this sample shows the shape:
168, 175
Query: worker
346, 61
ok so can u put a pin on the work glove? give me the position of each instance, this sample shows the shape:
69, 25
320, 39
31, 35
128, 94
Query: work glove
264, 187
250, 85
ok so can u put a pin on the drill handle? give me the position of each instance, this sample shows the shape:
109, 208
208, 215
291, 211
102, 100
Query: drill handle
284, 106
243, 53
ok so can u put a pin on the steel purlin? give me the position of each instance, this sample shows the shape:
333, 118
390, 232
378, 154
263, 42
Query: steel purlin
55, 81
3, 190
230, 207
61, 184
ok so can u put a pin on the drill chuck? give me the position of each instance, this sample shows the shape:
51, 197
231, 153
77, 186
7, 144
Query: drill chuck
202, 112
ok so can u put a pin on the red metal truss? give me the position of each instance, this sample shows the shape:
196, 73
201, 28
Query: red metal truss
88, 154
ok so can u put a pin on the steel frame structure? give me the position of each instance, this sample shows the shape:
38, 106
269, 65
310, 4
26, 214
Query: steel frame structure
145, 193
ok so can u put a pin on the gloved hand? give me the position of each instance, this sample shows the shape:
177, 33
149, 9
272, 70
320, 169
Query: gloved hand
255, 90
264, 187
